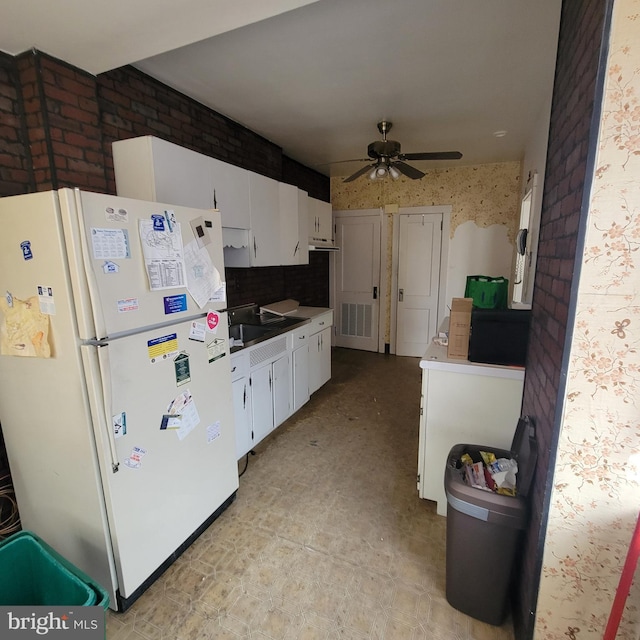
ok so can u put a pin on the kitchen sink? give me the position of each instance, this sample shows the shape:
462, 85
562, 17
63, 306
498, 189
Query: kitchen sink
248, 327
248, 332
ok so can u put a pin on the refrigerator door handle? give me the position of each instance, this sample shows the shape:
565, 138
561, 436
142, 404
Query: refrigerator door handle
105, 381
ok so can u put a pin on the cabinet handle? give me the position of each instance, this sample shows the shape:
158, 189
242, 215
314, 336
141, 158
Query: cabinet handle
234, 368
375, 293
269, 379
400, 295
320, 324
297, 247
255, 249
244, 397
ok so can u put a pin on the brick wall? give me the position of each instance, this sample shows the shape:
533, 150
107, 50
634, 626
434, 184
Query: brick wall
16, 174
134, 104
308, 284
314, 183
59, 123
62, 122
574, 93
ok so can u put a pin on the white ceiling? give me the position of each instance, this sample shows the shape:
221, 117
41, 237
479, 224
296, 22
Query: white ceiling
316, 76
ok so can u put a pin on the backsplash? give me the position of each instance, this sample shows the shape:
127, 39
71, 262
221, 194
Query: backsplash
308, 284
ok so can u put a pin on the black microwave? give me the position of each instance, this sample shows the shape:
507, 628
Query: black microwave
499, 336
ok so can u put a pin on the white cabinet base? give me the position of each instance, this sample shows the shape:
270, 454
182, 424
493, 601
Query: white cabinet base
459, 408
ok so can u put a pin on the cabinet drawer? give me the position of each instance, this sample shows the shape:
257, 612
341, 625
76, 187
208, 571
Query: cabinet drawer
299, 337
321, 322
239, 365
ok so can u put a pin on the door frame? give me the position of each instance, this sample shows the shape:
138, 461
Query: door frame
443, 297
382, 278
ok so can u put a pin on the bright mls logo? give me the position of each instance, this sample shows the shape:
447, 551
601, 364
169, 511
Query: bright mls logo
22, 623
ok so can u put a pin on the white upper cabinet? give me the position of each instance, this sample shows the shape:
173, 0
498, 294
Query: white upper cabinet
303, 226
264, 238
149, 168
293, 225
230, 186
266, 221
320, 217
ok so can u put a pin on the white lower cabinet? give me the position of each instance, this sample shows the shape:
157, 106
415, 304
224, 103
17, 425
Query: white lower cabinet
319, 359
299, 346
261, 384
241, 404
320, 350
262, 401
281, 390
274, 379
487, 415
270, 399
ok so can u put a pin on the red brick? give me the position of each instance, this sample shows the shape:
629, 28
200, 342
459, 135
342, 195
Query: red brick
78, 86
67, 150
56, 93
73, 113
81, 141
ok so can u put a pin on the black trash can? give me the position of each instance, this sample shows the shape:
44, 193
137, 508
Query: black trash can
484, 529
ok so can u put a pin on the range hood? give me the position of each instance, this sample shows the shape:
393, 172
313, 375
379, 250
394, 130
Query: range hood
316, 247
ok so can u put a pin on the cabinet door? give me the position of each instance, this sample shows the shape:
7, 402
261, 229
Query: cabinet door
324, 359
319, 359
303, 227
242, 416
320, 216
325, 216
230, 185
262, 402
265, 221
148, 168
281, 389
314, 362
300, 369
288, 205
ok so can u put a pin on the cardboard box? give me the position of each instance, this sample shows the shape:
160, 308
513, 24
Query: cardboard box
459, 328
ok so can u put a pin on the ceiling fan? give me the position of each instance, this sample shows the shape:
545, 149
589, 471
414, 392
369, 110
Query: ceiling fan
388, 158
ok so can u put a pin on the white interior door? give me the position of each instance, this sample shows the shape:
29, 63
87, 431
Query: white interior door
357, 291
420, 242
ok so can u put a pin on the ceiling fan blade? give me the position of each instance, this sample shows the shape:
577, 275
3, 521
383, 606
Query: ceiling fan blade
359, 173
324, 164
408, 170
354, 160
431, 155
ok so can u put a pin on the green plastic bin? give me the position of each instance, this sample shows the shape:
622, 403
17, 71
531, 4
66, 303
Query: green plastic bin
32, 573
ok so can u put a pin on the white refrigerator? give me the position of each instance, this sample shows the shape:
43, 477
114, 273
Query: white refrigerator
115, 386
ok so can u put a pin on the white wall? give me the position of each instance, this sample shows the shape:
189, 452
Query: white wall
533, 169
475, 250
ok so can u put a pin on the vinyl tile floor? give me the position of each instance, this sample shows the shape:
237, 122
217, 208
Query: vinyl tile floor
327, 537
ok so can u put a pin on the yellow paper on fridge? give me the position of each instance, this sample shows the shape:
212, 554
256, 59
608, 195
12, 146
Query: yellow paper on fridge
24, 329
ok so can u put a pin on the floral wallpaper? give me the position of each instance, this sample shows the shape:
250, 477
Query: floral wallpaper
596, 493
487, 194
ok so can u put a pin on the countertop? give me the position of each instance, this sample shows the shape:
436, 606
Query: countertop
308, 312
291, 309
435, 358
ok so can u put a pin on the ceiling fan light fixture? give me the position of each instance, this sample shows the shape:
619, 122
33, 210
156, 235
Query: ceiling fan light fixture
388, 159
